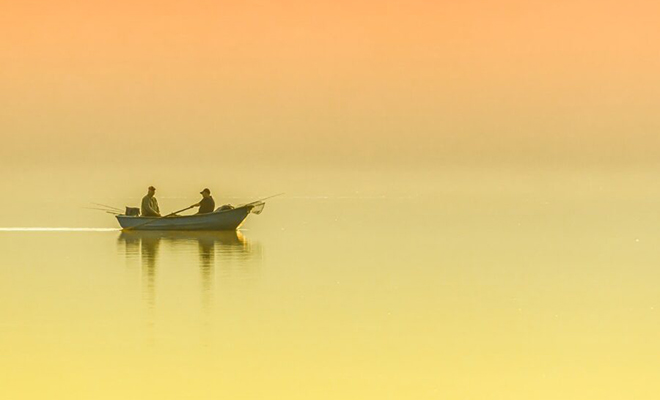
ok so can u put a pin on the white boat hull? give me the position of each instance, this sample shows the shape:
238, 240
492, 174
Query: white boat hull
226, 220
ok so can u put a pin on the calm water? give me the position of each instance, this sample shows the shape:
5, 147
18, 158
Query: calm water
463, 285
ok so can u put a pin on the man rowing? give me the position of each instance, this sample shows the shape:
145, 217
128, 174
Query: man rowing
149, 206
207, 204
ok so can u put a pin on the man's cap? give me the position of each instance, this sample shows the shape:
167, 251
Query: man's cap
152, 188
205, 190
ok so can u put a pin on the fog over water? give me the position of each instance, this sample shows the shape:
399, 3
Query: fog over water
470, 208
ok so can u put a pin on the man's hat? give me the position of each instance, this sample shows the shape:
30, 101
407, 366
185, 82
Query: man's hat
205, 190
152, 188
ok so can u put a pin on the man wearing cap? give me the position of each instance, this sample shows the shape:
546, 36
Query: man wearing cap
150, 204
207, 204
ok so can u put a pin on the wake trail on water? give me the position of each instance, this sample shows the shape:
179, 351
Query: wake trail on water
55, 229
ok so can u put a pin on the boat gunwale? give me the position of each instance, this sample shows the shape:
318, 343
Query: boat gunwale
183, 216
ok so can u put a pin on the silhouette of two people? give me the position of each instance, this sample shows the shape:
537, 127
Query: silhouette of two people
149, 206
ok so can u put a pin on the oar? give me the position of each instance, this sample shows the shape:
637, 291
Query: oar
156, 219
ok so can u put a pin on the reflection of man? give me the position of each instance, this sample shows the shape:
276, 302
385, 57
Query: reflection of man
150, 204
207, 204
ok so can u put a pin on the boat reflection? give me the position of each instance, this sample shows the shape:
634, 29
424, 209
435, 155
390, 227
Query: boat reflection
228, 252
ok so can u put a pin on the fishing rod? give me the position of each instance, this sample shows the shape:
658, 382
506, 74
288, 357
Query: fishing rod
109, 207
260, 200
102, 209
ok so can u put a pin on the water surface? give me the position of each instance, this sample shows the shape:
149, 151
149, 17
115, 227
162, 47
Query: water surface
488, 286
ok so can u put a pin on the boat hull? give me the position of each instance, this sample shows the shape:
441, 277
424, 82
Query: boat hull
226, 220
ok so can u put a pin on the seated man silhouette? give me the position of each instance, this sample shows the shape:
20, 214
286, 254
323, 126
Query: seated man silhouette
150, 204
207, 204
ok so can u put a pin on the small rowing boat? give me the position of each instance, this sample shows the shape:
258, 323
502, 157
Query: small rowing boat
218, 220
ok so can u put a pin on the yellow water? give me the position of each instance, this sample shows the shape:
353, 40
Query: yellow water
418, 284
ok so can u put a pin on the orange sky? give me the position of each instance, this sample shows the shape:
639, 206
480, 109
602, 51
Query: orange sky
337, 81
